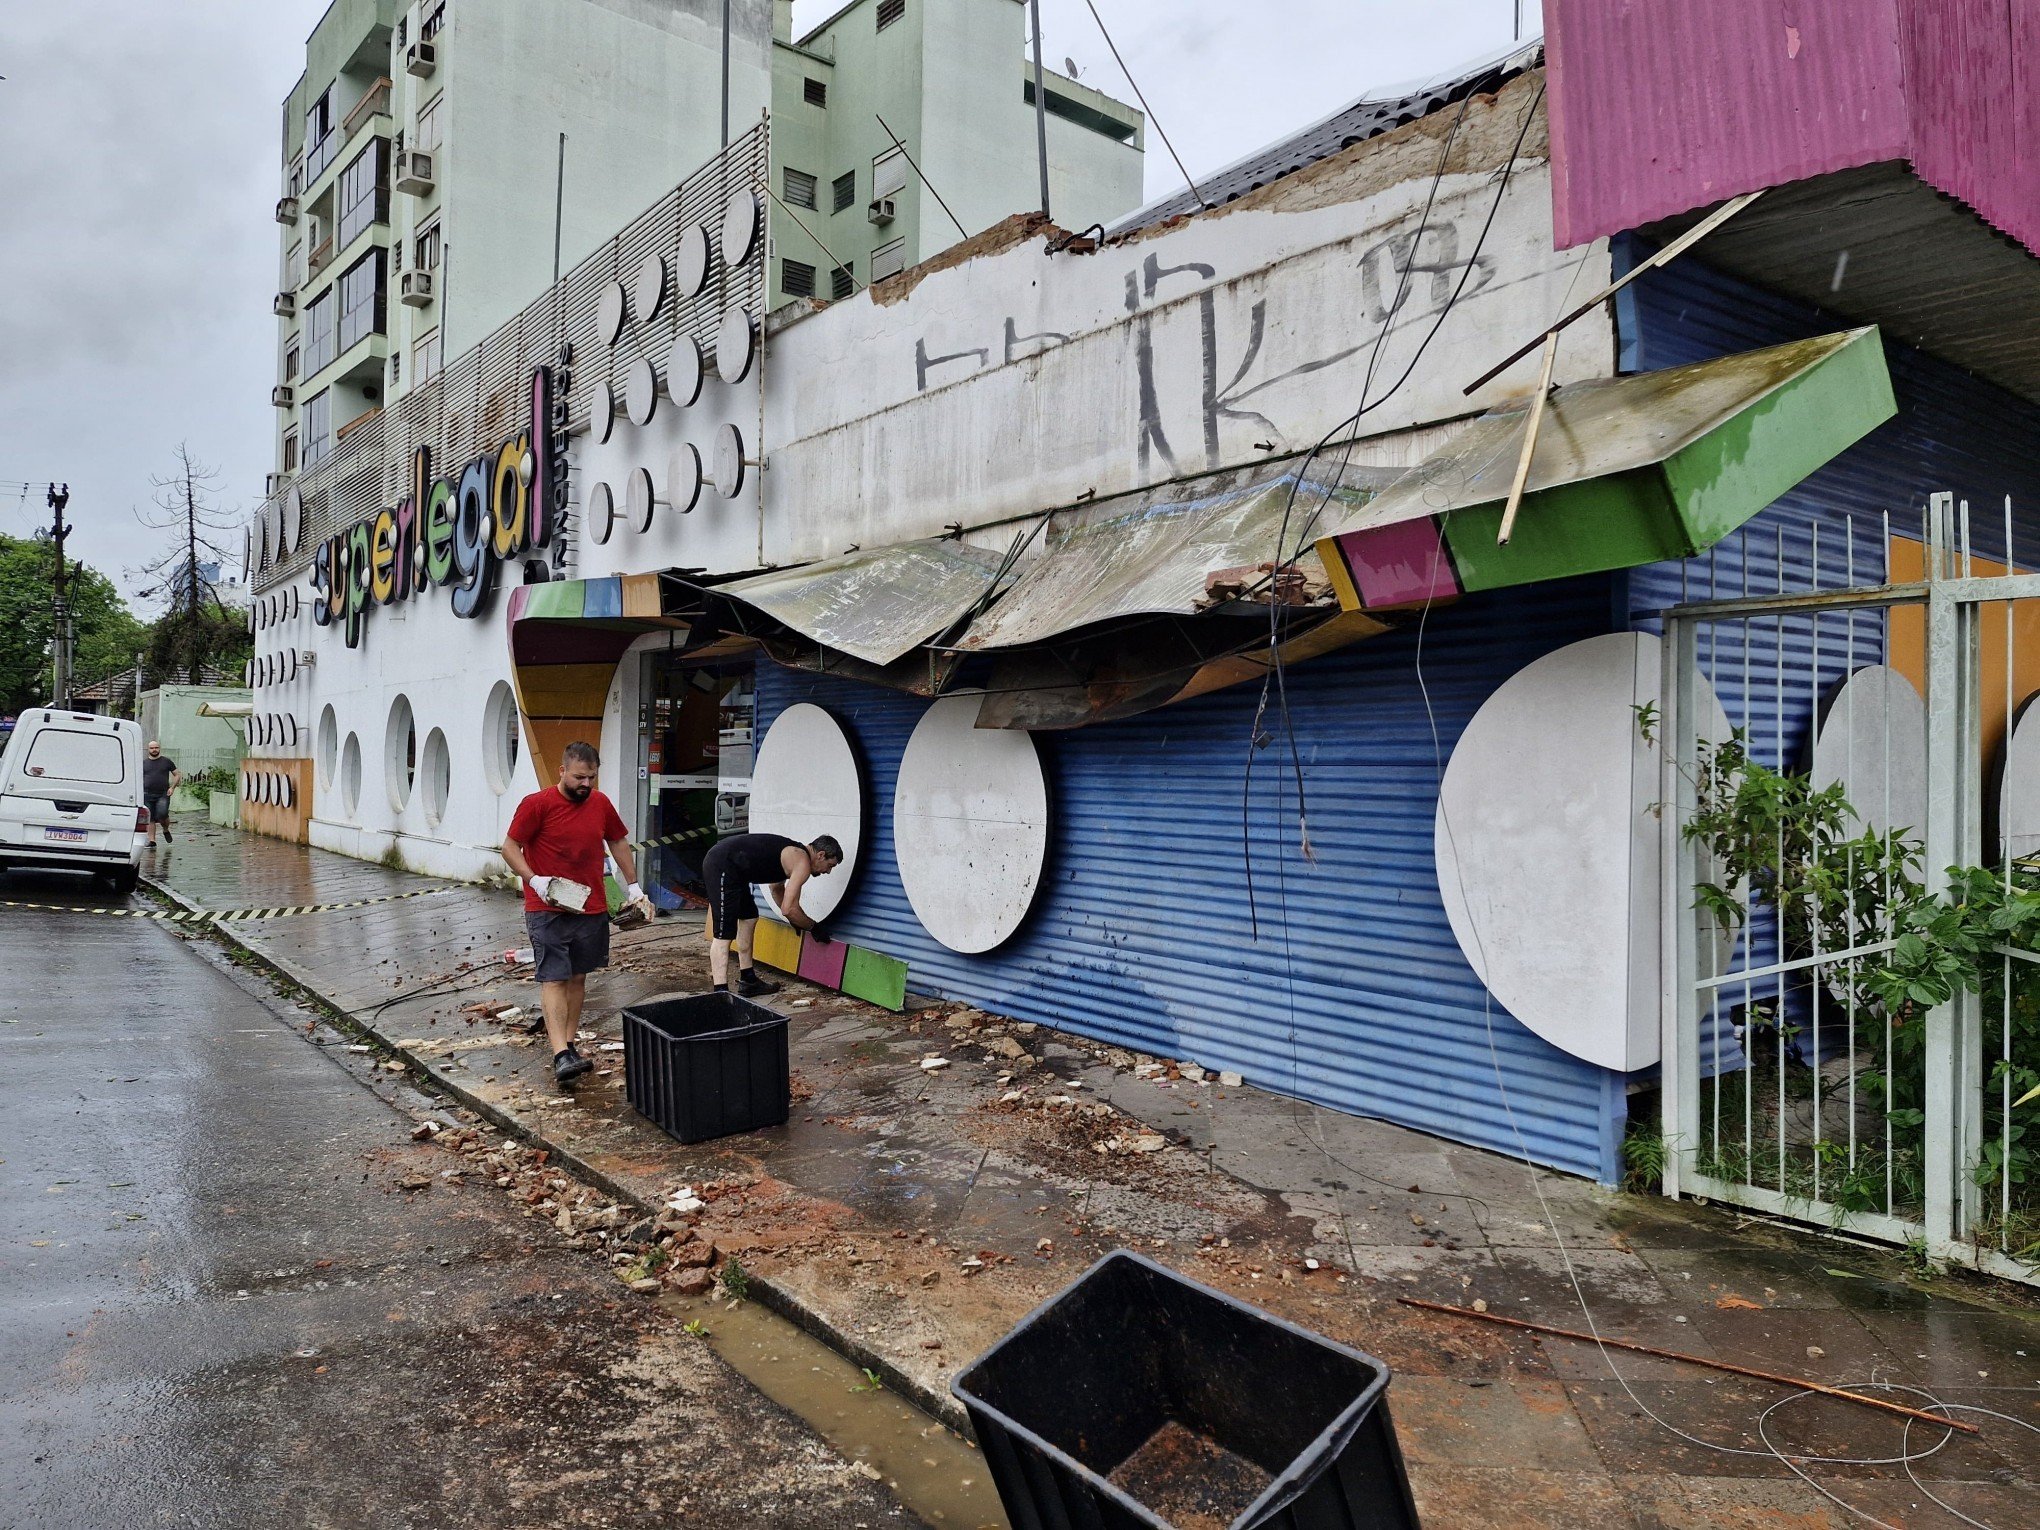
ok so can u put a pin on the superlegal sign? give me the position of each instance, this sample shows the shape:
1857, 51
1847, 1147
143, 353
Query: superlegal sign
453, 530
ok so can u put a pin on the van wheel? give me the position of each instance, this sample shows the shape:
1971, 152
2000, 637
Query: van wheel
122, 883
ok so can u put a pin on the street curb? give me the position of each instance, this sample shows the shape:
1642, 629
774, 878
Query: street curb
762, 1289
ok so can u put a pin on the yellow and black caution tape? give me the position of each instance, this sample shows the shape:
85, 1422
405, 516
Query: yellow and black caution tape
223, 916
681, 838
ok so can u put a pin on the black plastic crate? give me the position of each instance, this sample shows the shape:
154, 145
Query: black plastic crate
1225, 1410
708, 1065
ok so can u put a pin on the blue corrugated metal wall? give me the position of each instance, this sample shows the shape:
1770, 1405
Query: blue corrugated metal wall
1355, 994
1952, 432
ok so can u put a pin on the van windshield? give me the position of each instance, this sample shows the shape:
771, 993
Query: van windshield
68, 754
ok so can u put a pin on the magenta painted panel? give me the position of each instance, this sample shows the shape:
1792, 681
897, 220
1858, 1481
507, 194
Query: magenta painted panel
822, 964
1662, 106
1401, 565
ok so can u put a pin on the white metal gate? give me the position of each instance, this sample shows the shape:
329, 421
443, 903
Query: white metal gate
1851, 1000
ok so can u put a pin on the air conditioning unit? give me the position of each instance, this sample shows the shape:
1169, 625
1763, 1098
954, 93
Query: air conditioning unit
282, 396
416, 290
284, 304
882, 210
421, 59
287, 210
414, 172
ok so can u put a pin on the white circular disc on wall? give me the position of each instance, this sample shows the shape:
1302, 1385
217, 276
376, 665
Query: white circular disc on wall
609, 313
683, 478
805, 782
262, 537
648, 287
247, 551
683, 370
1547, 847
637, 499
691, 262
293, 518
2019, 786
736, 346
640, 392
601, 412
255, 728
1872, 740
601, 513
729, 460
970, 825
740, 222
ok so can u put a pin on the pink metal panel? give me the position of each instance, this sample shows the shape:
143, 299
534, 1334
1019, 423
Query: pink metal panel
1662, 106
1973, 79
822, 964
1400, 566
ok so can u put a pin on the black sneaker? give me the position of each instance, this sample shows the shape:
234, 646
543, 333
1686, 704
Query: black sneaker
750, 985
569, 1065
168, 837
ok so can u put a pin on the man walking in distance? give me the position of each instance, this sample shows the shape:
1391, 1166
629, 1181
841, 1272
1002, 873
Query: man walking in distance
556, 840
160, 776
730, 868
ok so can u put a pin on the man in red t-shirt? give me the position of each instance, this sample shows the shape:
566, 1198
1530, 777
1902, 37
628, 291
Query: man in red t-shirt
557, 836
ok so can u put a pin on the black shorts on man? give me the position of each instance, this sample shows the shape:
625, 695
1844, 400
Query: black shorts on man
159, 809
566, 945
729, 869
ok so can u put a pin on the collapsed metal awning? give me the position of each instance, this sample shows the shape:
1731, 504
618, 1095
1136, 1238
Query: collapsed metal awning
1626, 471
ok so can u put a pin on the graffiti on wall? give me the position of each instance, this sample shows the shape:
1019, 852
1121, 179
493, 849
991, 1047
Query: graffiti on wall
454, 530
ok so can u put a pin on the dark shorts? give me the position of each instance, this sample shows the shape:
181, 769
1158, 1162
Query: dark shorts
565, 945
159, 809
729, 897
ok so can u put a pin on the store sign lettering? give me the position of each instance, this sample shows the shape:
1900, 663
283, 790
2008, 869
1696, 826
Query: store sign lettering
453, 531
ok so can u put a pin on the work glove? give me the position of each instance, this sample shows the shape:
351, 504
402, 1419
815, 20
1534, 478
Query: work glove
819, 936
543, 887
634, 895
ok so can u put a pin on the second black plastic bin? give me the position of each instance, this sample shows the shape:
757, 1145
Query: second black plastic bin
1088, 1378
709, 1065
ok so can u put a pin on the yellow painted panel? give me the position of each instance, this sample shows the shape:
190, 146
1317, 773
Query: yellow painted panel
640, 594
777, 945
564, 690
1908, 640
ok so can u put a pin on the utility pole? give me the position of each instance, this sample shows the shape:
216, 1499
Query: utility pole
60, 643
191, 571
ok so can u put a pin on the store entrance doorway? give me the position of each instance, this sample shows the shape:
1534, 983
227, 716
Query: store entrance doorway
694, 766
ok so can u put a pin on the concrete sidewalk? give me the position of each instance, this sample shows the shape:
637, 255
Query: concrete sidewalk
912, 1215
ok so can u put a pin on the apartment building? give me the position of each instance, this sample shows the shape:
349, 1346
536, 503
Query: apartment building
903, 126
442, 159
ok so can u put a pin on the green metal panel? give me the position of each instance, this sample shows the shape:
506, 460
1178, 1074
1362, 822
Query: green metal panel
1577, 528
557, 598
876, 979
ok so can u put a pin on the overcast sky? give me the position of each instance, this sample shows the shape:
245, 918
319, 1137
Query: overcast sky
138, 154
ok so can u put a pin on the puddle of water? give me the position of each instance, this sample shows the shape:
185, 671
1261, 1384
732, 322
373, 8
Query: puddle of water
938, 1476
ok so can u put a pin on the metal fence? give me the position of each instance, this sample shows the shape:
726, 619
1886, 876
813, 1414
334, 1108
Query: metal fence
1851, 1003
478, 400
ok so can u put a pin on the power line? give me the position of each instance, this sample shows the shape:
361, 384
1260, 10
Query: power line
1138, 96
960, 229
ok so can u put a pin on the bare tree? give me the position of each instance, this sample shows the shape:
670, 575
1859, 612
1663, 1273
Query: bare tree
193, 630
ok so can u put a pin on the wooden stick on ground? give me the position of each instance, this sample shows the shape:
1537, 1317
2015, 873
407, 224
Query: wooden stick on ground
1719, 1365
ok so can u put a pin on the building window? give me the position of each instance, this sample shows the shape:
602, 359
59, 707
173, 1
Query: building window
425, 359
319, 347
888, 260
319, 119
361, 299
435, 18
425, 248
426, 137
291, 357
800, 188
318, 428
845, 189
842, 282
888, 174
294, 267
364, 192
890, 11
814, 92
290, 451
796, 278
297, 176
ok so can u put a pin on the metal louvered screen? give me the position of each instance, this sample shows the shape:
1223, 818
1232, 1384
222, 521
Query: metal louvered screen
479, 399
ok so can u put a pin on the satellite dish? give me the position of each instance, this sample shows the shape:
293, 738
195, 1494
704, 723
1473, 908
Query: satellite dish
601, 513
740, 227
683, 370
729, 461
692, 261
640, 392
736, 346
609, 313
648, 289
1070, 67
683, 478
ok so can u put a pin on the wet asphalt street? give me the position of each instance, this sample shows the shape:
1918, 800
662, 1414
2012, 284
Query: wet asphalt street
218, 1308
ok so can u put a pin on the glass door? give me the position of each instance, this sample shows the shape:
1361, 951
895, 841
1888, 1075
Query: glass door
694, 766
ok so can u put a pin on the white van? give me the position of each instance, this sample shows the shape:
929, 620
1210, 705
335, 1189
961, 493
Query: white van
71, 796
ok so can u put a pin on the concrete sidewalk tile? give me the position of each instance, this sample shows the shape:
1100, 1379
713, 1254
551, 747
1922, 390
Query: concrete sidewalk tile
1775, 1277
1452, 1422
1956, 1347
1483, 1497
1728, 1503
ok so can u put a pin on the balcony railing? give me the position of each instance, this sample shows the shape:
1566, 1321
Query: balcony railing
321, 255
377, 101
